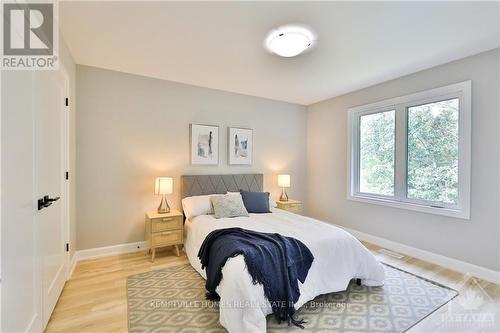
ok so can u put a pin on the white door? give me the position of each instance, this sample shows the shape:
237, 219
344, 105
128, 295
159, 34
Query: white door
49, 94
21, 301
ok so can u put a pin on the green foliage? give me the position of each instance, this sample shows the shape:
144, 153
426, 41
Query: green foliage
433, 152
377, 141
432, 162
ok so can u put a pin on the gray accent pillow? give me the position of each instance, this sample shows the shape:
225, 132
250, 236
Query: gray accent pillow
228, 205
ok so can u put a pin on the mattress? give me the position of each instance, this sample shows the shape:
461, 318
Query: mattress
338, 258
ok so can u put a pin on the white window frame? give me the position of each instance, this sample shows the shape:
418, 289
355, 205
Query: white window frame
462, 91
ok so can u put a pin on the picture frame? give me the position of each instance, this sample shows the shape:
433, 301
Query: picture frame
240, 146
204, 144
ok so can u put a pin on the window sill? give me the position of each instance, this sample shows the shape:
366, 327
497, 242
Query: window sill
461, 214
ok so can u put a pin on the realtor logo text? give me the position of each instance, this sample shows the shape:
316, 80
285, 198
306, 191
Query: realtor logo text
30, 38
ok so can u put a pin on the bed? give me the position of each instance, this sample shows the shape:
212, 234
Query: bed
339, 257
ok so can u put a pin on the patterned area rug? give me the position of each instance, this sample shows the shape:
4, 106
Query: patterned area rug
173, 300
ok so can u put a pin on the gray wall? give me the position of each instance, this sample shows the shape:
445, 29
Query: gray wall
475, 241
131, 129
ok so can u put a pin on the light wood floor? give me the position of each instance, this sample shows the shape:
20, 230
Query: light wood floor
94, 299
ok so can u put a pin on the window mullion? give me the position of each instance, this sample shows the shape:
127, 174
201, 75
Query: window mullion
356, 155
400, 154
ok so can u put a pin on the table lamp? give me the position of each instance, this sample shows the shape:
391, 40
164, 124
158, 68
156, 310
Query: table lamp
283, 182
163, 186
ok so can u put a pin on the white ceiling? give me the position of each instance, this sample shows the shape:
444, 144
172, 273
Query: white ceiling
219, 45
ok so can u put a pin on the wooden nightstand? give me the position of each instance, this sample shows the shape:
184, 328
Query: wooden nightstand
164, 230
293, 206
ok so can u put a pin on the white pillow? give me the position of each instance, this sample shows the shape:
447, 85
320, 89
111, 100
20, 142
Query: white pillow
272, 203
197, 205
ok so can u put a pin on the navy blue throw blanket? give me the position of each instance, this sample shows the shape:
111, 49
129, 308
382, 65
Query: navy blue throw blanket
275, 261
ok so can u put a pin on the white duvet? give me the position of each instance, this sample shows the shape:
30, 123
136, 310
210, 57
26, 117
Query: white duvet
338, 258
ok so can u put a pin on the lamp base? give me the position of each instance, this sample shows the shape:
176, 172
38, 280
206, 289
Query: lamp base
284, 196
163, 208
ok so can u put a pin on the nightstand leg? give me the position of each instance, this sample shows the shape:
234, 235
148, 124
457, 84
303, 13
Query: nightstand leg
177, 250
149, 251
153, 255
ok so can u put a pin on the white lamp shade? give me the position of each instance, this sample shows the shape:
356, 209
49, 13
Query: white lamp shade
284, 180
163, 185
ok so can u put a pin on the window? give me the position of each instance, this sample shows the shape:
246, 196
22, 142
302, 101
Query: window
413, 152
377, 143
433, 152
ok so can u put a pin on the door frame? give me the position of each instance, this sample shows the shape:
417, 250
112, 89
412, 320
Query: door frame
65, 166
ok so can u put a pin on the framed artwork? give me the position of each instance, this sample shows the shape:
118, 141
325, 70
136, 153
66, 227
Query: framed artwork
240, 145
204, 144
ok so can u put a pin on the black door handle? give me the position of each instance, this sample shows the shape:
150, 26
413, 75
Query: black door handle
46, 201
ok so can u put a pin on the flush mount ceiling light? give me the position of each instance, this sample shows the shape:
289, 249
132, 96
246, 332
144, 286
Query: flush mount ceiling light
290, 40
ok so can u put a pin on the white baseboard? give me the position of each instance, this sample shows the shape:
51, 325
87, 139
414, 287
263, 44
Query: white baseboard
72, 264
105, 251
454, 264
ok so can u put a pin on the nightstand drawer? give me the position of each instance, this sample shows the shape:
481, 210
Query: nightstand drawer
164, 230
166, 223
292, 206
295, 208
166, 238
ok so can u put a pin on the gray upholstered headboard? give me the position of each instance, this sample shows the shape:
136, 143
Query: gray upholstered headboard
220, 184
